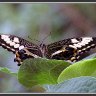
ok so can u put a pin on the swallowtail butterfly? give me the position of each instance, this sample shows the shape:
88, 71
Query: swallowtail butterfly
70, 49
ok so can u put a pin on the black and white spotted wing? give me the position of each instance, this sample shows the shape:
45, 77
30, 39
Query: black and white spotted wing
13, 43
16, 45
70, 49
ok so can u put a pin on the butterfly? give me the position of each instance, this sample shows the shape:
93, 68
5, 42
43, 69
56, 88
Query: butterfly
71, 49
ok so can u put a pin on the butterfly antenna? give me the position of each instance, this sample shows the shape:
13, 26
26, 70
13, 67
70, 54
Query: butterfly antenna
45, 37
33, 39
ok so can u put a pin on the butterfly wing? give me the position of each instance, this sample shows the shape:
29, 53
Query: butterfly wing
71, 49
19, 46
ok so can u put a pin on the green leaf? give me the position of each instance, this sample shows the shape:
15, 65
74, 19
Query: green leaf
84, 84
40, 71
6, 70
81, 68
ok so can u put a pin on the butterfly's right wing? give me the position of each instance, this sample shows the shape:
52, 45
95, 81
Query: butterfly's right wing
71, 49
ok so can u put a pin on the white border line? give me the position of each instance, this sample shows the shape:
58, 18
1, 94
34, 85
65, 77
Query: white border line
52, 2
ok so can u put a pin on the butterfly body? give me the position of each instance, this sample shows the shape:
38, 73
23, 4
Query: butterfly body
70, 49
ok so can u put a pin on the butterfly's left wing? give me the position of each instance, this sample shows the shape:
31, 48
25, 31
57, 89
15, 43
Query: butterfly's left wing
71, 49
19, 46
